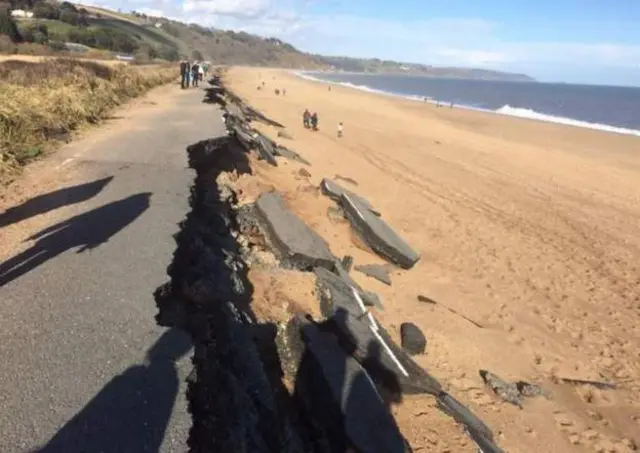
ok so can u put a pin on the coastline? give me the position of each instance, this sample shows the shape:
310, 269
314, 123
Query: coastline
525, 227
506, 110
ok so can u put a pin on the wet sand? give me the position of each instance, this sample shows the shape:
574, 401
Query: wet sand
530, 229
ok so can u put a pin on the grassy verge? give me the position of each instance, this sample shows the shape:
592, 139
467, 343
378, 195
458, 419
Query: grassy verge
41, 103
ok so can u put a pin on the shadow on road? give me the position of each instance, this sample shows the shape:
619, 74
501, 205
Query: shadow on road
131, 413
88, 230
53, 200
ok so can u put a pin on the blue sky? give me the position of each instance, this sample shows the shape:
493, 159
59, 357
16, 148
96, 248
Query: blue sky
588, 41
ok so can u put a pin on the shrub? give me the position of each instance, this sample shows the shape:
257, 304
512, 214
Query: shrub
168, 53
38, 34
57, 46
8, 26
52, 98
46, 11
70, 17
7, 45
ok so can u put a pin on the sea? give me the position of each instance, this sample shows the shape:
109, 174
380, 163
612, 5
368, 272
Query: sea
608, 108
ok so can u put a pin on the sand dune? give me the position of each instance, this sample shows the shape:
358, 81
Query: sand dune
532, 230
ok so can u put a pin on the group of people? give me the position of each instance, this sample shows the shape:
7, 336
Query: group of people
310, 120
192, 73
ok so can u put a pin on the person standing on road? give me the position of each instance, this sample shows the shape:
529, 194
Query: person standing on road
195, 69
187, 74
200, 72
184, 69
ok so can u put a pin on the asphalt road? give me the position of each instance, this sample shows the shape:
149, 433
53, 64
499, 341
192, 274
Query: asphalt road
84, 368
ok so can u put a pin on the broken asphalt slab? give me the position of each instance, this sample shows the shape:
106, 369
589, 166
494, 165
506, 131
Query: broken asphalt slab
296, 242
372, 229
290, 154
369, 298
337, 391
377, 234
378, 271
335, 191
265, 148
370, 344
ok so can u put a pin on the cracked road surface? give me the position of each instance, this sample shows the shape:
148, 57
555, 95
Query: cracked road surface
84, 366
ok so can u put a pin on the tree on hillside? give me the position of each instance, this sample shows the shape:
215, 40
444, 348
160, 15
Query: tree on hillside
66, 6
169, 53
38, 34
197, 55
46, 11
8, 26
74, 18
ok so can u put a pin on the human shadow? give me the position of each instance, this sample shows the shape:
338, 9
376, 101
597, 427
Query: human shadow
132, 411
53, 200
88, 230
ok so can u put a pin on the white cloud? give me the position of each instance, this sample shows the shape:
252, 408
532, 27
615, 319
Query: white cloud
437, 41
242, 9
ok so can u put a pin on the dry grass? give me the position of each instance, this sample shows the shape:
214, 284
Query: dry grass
43, 102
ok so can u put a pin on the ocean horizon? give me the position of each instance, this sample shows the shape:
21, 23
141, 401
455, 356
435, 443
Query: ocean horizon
613, 109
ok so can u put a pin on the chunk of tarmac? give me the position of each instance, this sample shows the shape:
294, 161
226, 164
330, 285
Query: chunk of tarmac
378, 271
290, 154
295, 242
478, 431
369, 298
335, 191
391, 367
339, 395
265, 148
412, 339
377, 234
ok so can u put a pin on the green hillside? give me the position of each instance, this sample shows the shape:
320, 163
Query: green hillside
65, 25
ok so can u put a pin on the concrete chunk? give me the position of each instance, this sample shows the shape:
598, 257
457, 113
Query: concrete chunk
377, 234
294, 240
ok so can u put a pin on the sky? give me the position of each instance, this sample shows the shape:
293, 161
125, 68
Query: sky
577, 41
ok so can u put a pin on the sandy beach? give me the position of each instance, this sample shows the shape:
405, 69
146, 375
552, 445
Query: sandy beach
531, 230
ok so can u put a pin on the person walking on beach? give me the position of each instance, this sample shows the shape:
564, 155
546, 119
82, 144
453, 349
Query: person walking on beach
340, 129
306, 118
314, 121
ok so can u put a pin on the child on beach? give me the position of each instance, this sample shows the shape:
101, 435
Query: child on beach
340, 129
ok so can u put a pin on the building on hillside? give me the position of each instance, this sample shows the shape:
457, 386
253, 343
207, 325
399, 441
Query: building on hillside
21, 13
